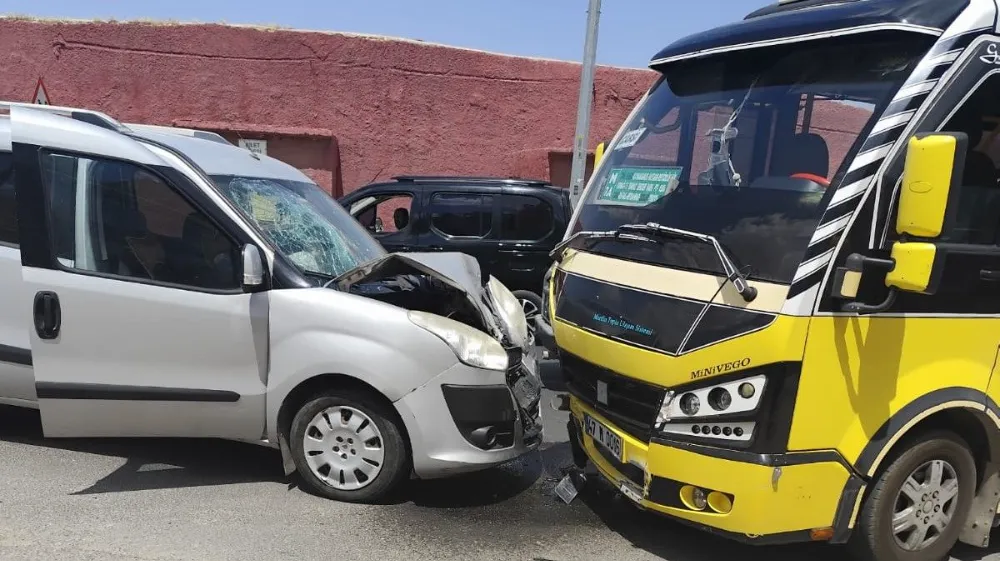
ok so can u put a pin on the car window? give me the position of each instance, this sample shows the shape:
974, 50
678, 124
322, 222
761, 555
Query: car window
8, 206
523, 217
463, 215
388, 215
118, 219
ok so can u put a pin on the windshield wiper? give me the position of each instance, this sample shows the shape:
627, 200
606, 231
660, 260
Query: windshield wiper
733, 274
592, 237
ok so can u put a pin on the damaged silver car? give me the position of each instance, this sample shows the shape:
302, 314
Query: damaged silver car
166, 283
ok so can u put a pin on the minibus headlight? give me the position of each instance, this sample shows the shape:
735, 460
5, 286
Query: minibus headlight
471, 346
737, 396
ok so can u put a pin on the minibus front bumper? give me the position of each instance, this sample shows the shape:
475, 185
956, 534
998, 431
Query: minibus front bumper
759, 499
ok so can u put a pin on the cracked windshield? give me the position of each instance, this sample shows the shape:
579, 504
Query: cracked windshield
305, 225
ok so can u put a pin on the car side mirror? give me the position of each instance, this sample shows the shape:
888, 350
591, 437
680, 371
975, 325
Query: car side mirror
254, 275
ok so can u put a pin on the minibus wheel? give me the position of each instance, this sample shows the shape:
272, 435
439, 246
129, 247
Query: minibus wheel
348, 446
917, 506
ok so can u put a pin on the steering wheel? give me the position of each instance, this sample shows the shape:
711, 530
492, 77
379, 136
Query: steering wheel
812, 177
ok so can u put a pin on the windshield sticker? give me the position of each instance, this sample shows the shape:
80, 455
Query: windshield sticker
630, 139
264, 210
639, 186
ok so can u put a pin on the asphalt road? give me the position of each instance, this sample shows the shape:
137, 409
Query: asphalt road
193, 500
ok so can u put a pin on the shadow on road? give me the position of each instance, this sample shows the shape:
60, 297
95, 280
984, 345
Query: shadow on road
169, 463
513, 501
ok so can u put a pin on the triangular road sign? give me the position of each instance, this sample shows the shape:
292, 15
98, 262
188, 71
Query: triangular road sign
41, 96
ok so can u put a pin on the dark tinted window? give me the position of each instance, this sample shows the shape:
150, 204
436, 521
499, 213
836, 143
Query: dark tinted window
8, 207
116, 218
462, 215
523, 217
978, 218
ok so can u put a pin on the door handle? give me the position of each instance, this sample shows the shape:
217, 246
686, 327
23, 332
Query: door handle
989, 276
48, 314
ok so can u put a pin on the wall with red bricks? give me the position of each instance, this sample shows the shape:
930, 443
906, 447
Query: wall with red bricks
347, 109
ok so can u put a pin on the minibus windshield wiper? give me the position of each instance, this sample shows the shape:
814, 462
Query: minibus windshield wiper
591, 237
734, 275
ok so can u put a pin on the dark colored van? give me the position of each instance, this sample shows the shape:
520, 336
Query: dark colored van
509, 225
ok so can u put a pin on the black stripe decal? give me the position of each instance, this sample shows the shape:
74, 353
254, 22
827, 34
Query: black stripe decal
841, 210
907, 104
807, 282
767, 460
884, 435
70, 390
15, 355
822, 246
862, 173
845, 509
884, 138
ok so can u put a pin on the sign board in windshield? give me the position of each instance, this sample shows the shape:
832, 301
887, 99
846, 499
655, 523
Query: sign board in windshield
630, 186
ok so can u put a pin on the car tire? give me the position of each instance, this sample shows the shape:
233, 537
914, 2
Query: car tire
349, 431
874, 537
525, 296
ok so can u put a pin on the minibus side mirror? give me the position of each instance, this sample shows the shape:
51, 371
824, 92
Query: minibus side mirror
254, 276
932, 179
928, 202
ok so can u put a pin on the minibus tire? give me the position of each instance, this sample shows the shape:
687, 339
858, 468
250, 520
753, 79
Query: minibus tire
873, 538
395, 467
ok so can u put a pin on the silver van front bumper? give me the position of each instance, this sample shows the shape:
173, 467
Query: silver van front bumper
469, 419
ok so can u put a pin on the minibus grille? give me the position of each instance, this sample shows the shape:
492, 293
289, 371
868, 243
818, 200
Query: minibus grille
632, 405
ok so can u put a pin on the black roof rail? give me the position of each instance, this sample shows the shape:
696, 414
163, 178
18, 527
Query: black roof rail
469, 179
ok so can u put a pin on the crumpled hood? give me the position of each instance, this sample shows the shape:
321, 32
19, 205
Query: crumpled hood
457, 270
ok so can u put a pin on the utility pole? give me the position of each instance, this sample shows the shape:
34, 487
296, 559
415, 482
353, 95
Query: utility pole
584, 105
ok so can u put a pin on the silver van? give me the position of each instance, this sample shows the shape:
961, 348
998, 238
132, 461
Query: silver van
161, 283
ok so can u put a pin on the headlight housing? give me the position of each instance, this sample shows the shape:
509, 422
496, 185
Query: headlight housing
690, 412
511, 312
471, 346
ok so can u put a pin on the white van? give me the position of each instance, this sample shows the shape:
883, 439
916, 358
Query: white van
167, 284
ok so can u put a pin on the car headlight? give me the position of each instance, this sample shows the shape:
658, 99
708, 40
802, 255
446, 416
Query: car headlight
689, 412
471, 346
511, 312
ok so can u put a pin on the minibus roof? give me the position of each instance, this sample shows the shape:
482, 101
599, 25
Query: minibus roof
802, 20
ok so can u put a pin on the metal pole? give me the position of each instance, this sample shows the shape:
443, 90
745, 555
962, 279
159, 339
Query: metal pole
584, 105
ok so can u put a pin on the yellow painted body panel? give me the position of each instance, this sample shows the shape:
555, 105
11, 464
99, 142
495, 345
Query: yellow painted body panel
860, 371
805, 496
782, 341
857, 372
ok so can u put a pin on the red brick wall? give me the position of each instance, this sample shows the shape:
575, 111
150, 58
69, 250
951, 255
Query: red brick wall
391, 107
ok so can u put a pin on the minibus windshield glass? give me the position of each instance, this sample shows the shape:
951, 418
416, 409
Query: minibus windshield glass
302, 222
747, 147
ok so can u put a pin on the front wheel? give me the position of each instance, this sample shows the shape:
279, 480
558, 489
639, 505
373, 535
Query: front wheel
349, 446
918, 505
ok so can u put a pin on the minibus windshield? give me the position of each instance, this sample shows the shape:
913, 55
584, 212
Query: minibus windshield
302, 222
747, 147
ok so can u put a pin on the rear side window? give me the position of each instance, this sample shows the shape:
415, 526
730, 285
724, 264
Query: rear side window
462, 215
525, 218
8, 206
